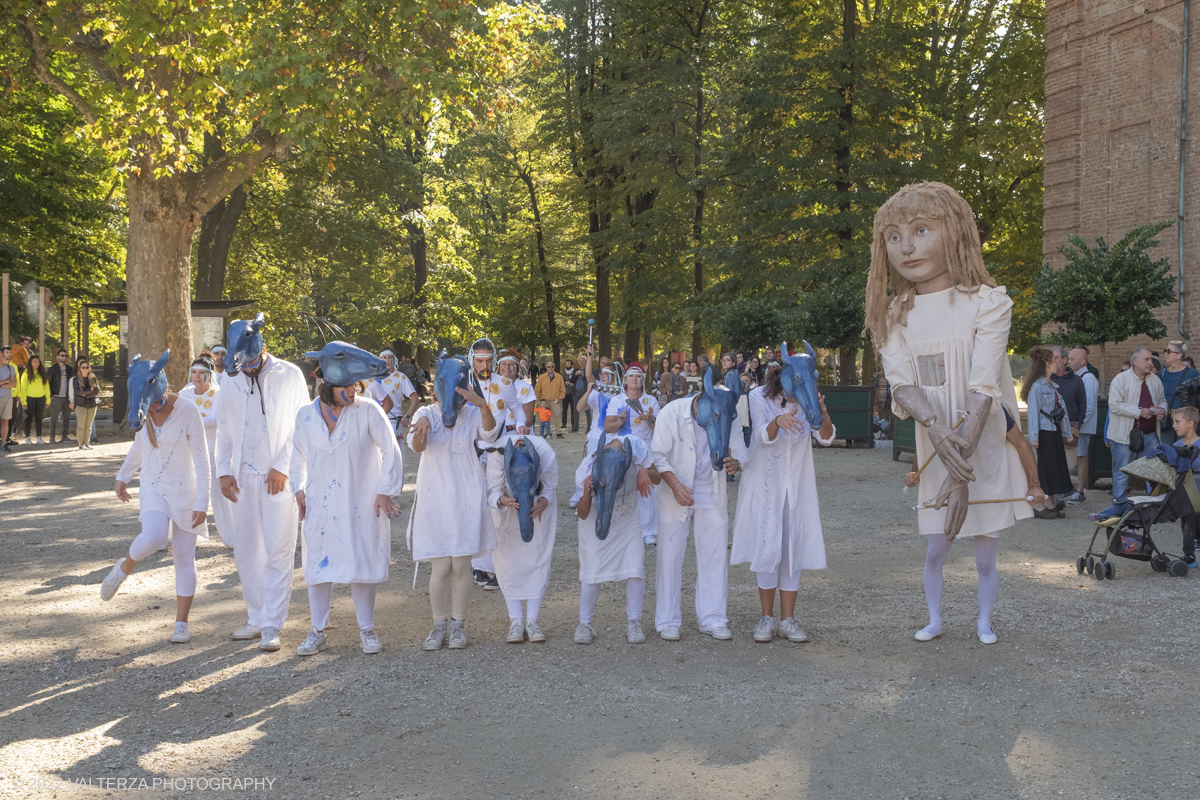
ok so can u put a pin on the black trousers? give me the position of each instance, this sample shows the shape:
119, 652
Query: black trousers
1191, 531
569, 410
35, 407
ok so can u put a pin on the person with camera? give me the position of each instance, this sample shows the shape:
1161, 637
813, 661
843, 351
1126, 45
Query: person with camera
1049, 427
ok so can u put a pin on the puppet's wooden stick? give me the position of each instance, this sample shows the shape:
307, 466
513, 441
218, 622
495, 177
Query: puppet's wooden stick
983, 502
910, 480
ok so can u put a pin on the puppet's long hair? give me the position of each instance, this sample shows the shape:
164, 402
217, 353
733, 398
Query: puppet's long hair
927, 200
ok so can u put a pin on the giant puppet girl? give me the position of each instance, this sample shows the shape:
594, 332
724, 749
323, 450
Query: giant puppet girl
942, 333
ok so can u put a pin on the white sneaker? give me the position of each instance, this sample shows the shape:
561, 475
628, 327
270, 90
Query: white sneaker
270, 640
649, 540
764, 631
458, 634
27, 441
41, 440
247, 631
436, 637
182, 633
584, 633
370, 642
790, 629
534, 632
572, 504
669, 634
113, 581
312, 644
633, 632
516, 632
721, 634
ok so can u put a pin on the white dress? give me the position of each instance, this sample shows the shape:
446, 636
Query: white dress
450, 515
507, 398
341, 473
523, 568
175, 478
622, 554
638, 425
780, 473
208, 404
955, 343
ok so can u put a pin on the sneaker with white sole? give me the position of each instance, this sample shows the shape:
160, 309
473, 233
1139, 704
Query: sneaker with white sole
112, 582
669, 634
650, 540
182, 633
1075, 498
247, 631
764, 631
312, 644
584, 633
493, 584
40, 440
633, 632
516, 632
436, 637
572, 504
533, 632
480, 577
458, 634
270, 640
370, 642
720, 634
790, 629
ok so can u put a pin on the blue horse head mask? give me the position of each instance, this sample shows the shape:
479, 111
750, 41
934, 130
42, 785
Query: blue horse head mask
344, 364
522, 471
799, 382
452, 373
608, 478
147, 385
245, 344
716, 411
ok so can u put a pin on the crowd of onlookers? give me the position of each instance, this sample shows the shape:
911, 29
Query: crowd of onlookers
29, 389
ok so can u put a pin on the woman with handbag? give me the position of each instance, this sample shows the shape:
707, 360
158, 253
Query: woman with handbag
1048, 428
84, 396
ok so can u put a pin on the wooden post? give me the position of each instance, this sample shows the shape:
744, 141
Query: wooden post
4, 308
41, 348
66, 324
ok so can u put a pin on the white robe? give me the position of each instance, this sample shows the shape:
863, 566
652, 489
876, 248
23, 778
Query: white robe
450, 515
175, 478
208, 404
341, 473
507, 398
398, 387
780, 472
523, 568
622, 554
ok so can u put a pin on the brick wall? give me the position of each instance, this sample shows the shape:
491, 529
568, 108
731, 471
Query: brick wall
1112, 136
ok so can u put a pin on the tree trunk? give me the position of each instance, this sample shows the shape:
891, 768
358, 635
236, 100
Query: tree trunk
847, 366
649, 351
158, 273
419, 248
551, 324
698, 221
633, 340
870, 364
216, 231
598, 222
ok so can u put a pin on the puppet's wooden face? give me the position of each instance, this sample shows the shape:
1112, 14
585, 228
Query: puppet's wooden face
916, 250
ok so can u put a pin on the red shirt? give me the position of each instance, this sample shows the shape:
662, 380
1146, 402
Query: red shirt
1143, 424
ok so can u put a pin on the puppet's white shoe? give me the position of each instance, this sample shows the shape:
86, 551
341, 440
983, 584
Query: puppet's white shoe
633, 632
247, 631
458, 634
584, 633
370, 642
669, 634
989, 638
436, 637
764, 631
113, 581
270, 641
791, 630
721, 633
312, 644
516, 632
534, 632
927, 634
182, 633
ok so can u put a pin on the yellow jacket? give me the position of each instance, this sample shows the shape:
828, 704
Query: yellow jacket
30, 385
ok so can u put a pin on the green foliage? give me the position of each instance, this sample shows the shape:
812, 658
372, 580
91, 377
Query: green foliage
833, 317
1107, 294
748, 324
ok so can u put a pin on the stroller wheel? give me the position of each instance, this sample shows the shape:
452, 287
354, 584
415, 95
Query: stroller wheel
1089, 566
1110, 570
1179, 569
1160, 563
1099, 570
1079, 564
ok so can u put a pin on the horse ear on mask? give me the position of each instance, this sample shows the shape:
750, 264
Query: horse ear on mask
260, 319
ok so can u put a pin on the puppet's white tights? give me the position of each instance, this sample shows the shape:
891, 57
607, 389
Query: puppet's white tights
156, 526
989, 579
320, 595
635, 596
450, 572
532, 608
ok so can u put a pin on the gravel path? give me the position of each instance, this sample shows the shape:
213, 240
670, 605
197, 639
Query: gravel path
1089, 693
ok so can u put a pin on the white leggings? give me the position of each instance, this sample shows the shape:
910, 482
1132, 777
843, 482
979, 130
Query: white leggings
156, 526
320, 595
985, 565
782, 578
450, 572
532, 608
635, 596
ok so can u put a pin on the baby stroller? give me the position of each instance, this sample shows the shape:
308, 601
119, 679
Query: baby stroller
1174, 497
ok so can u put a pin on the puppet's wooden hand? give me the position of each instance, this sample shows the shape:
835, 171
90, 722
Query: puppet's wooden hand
954, 496
947, 443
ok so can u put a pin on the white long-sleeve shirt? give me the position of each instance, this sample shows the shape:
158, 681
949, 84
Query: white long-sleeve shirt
674, 450
175, 477
278, 394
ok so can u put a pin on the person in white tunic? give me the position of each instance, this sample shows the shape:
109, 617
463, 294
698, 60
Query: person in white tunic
348, 466
634, 412
170, 452
596, 397
255, 422
621, 555
391, 392
523, 568
777, 526
451, 522
218, 353
203, 392
943, 338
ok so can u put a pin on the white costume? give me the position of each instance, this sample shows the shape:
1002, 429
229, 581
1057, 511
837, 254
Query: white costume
621, 555
523, 568
777, 527
398, 387
208, 404
637, 423
681, 447
255, 423
507, 398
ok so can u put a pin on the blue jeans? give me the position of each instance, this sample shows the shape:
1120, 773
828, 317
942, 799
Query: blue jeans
1120, 458
544, 430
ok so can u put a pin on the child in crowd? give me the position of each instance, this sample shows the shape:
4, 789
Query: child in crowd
543, 414
1185, 420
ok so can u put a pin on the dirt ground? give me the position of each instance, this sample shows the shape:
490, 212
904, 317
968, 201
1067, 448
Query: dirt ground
1089, 694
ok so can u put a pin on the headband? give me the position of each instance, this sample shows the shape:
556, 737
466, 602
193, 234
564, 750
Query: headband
219, 349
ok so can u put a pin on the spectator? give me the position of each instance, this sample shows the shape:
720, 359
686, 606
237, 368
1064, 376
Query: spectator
693, 378
551, 389
1070, 389
20, 355
664, 368
34, 392
1185, 421
218, 353
1186, 359
672, 385
569, 401
60, 391
768, 355
1175, 372
544, 413
1124, 366
741, 362
1049, 425
743, 406
1135, 403
727, 363
84, 397
1090, 367
8, 382
702, 366
754, 366
1087, 425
